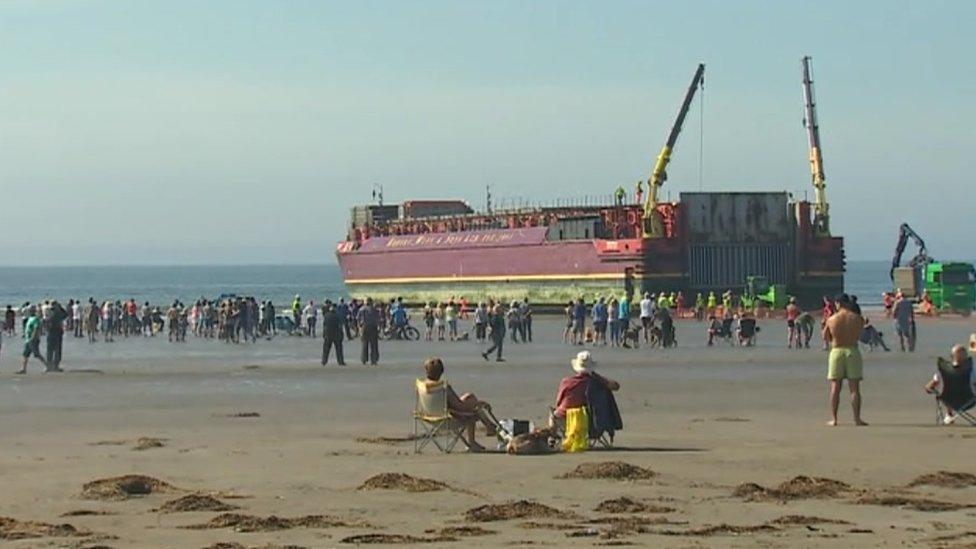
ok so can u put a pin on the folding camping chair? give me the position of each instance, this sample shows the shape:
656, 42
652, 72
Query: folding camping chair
957, 393
432, 421
604, 418
559, 433
746, 333
726, 332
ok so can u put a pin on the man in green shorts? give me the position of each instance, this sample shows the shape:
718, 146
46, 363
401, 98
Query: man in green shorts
843, 330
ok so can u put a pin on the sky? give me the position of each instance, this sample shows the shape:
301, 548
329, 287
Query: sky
236, 131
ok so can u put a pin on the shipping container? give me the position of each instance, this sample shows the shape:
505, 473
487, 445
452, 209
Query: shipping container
433, 208
737, 217
373, 215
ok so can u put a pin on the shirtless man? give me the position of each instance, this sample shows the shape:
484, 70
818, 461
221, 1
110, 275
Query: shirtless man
792, 334
842, 330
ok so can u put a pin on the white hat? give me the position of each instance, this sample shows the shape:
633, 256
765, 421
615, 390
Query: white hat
583, 362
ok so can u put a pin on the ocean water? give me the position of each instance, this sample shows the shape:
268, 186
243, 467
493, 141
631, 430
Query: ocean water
163, 284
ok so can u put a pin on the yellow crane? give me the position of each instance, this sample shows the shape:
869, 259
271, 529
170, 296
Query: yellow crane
821, 216
653, 225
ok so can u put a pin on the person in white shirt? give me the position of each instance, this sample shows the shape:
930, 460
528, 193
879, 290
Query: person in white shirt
311, 318
647, 309
76, 313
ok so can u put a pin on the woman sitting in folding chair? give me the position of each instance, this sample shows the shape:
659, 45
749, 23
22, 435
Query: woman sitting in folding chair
954, 387
571, 415
466, 408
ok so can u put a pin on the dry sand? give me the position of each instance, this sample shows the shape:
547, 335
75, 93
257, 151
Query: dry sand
730, 443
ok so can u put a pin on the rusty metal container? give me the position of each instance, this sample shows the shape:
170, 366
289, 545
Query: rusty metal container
759, 217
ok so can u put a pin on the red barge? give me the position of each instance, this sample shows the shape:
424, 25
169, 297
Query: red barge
434, 250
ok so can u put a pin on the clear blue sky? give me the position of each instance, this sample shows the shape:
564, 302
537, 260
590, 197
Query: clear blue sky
240, 131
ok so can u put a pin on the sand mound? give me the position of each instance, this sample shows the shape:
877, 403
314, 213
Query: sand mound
272, 523
915, 504
515, 510
536, 525
802, 520
195, 502
402, 481
945, 479
147, 443
86, 513
389, 441
13, 529
627, 505
614, 470
801, 487
363, 539
722, 529
235, 545
462, 531
109, 443
123, 487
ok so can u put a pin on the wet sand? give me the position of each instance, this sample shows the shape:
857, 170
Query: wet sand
268, 439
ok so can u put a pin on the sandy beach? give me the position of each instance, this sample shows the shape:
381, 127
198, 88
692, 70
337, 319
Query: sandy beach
717, 437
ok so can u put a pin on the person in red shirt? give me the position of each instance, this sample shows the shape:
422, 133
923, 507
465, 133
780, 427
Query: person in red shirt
572, 389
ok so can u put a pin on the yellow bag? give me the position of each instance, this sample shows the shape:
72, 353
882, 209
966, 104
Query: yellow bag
577, 430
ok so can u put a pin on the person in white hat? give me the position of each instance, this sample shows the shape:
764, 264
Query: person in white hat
572, 389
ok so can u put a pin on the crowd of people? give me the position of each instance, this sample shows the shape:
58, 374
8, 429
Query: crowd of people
605, 321
608, 321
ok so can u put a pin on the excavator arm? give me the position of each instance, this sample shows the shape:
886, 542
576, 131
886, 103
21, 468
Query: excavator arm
906, 233
653, 224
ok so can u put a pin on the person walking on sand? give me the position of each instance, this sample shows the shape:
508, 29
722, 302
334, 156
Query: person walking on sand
496, 325
332, 335
843, 330
32, 339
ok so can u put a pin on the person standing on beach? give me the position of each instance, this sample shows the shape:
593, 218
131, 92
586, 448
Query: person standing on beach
526, 314
296, 312
332, 335
843, 330
32, 339
343, 311
613, 321
55, 336
792, 332
369, 329
108, 321
647, 315
623, 317
496, 324
9, 321
903, 312
480, 323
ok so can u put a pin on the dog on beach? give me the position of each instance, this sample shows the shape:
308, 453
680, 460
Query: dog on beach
655, 336
531, 444
632, 337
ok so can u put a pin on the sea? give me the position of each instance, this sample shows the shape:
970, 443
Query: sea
165, 283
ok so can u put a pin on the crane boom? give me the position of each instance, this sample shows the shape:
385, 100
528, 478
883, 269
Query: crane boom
653, 227
821, 217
